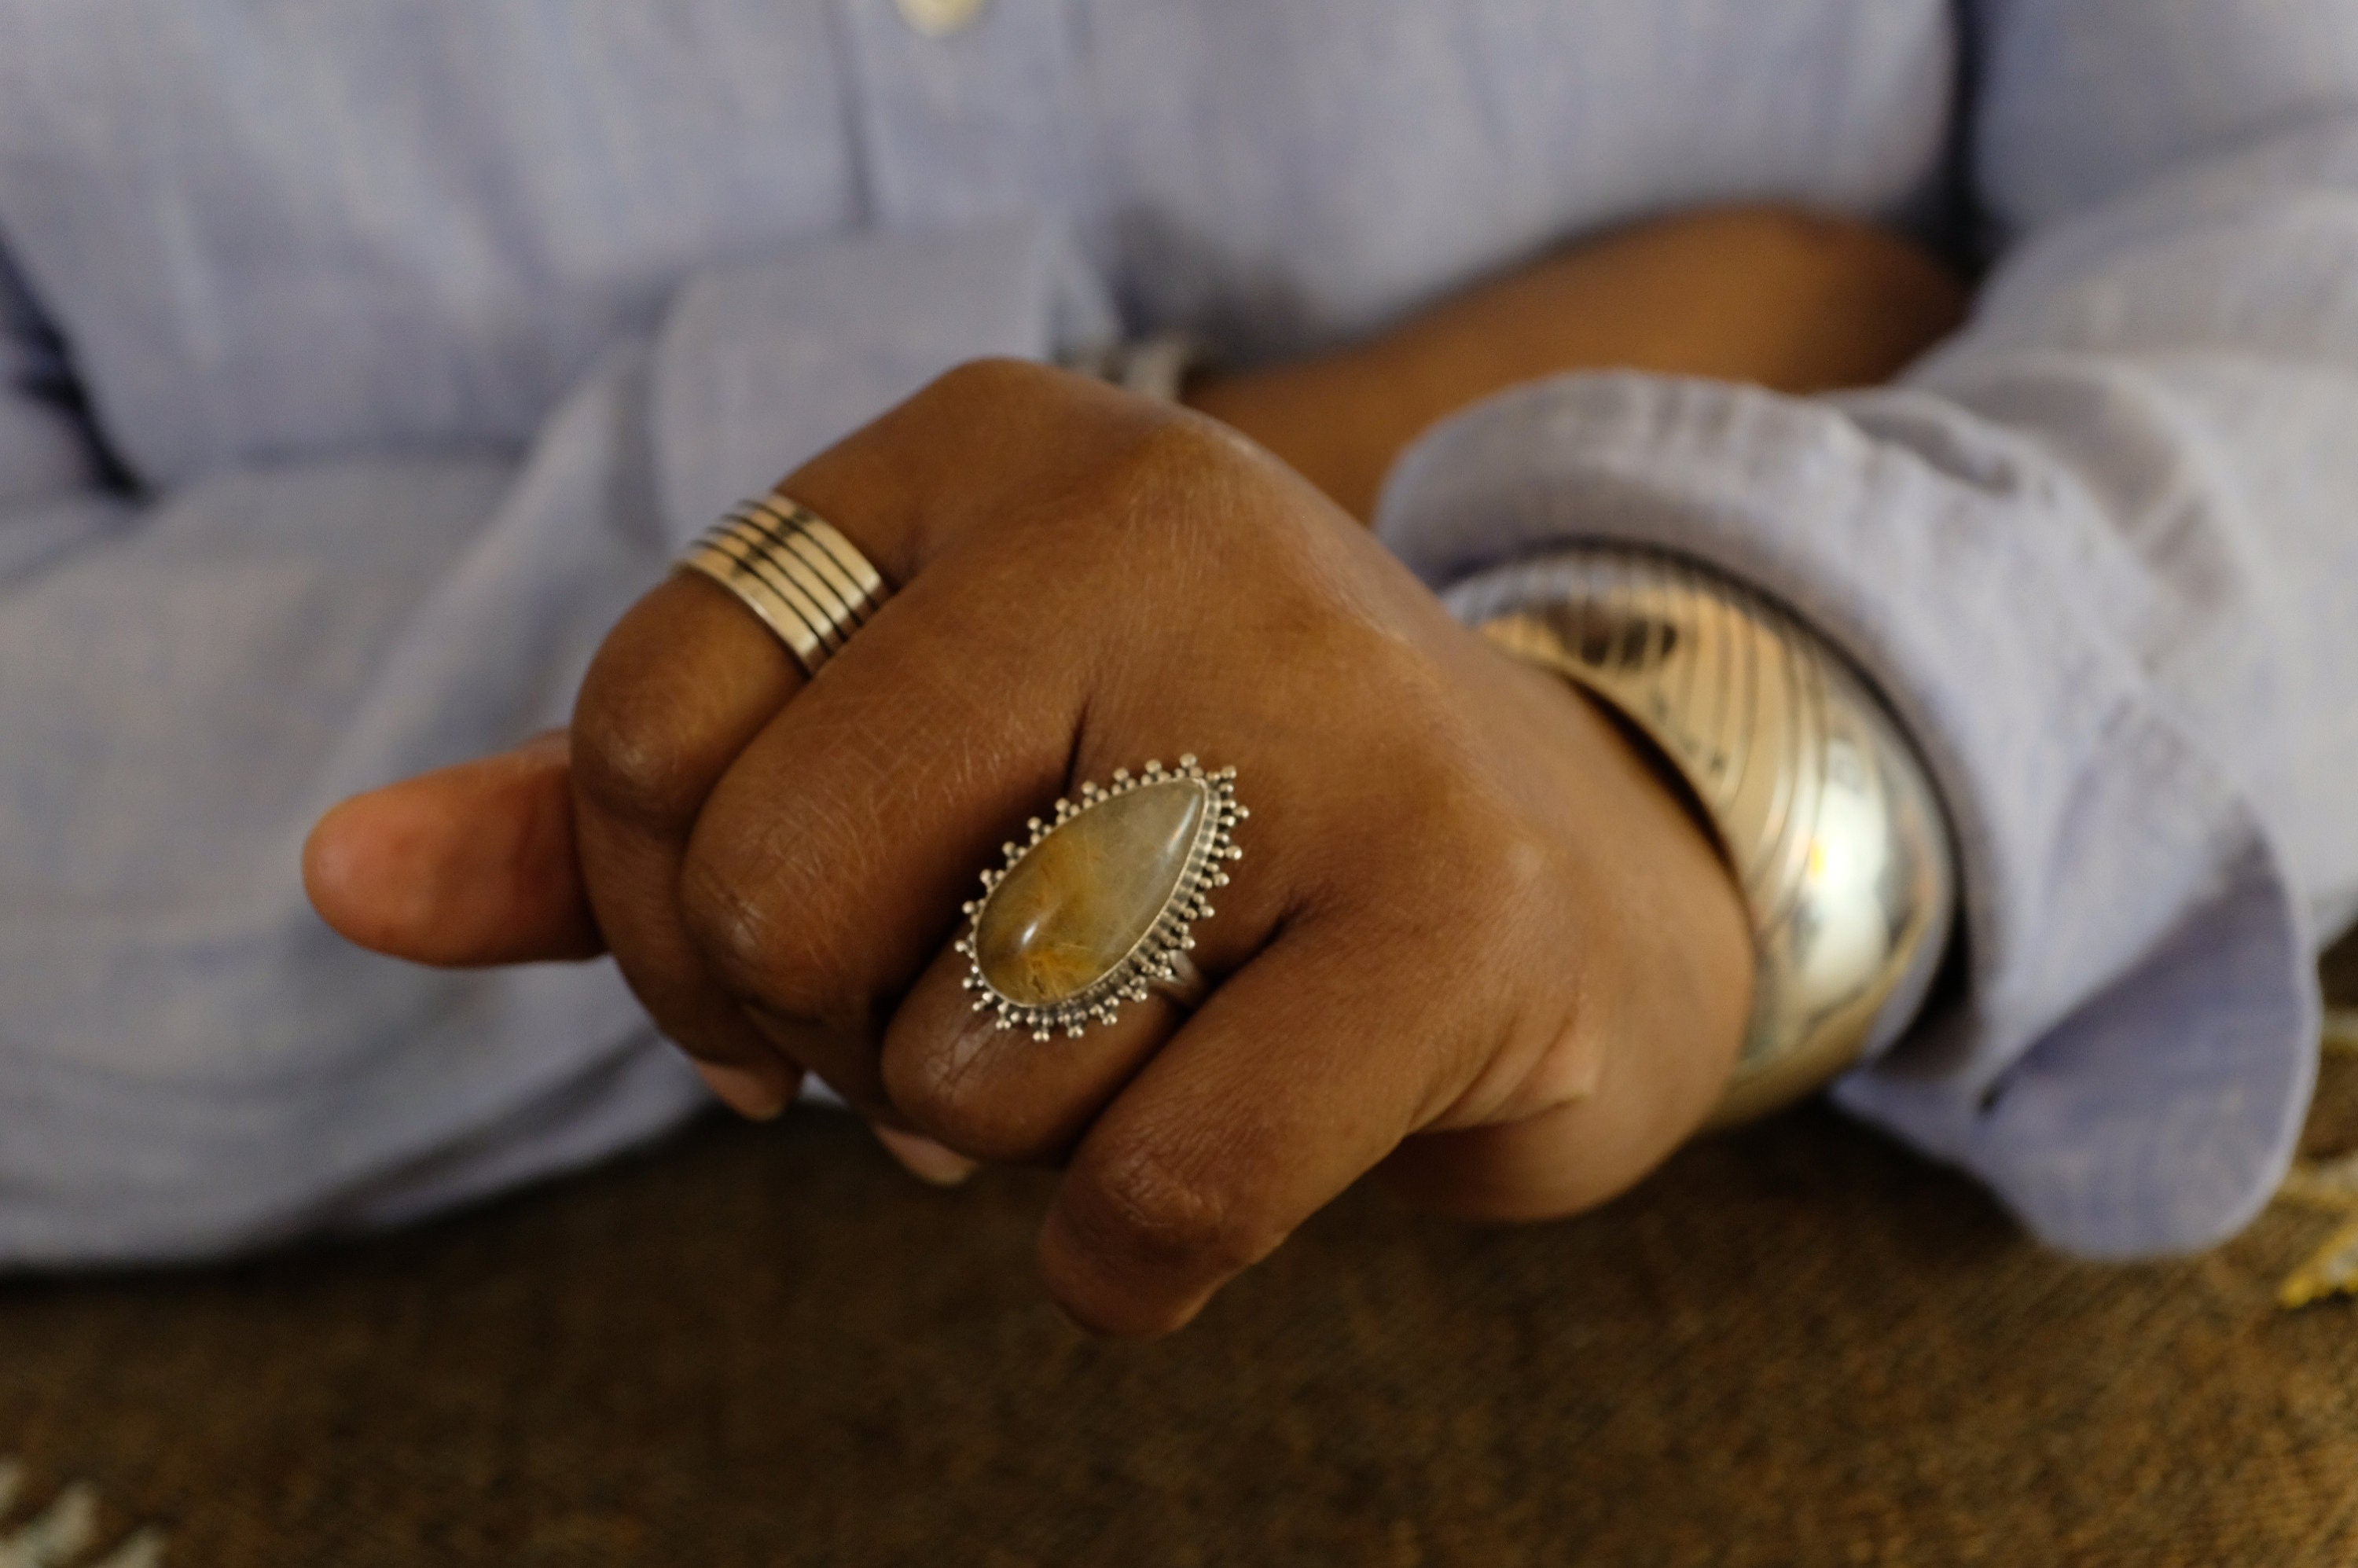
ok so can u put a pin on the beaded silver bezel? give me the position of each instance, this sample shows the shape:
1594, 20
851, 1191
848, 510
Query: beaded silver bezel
1158, 955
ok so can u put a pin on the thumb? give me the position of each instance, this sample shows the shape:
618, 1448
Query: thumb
472, 865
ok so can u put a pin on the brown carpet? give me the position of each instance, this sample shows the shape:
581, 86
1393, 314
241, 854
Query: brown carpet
1796, 1345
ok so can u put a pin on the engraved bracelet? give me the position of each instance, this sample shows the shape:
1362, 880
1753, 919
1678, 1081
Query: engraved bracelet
1822, 810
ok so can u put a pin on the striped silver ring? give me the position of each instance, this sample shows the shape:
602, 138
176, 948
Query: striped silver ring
793, 569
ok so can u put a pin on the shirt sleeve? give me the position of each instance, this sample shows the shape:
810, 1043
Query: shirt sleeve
52, 480
189, 1063
2100, 552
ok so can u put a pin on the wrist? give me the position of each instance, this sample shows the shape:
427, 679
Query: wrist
1675, 961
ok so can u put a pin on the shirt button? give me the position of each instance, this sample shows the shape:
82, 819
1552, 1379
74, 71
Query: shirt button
939, 18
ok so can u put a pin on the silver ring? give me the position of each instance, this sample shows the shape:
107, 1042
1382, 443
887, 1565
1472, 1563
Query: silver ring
1096, 906
809, 584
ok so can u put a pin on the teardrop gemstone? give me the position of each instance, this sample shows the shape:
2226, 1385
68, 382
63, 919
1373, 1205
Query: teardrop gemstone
1068, 913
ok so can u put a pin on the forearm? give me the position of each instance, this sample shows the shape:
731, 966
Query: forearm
1772, 297
2091, 553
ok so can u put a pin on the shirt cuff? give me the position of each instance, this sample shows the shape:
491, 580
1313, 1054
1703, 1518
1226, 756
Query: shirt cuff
2130, 1060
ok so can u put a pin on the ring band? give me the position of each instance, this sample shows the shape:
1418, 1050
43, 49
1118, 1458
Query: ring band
790, 567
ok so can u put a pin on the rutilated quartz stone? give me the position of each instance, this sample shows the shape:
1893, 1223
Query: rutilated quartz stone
1070, 910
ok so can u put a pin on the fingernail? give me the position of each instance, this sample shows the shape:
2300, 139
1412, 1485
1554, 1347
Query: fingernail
756, 1093
924, 1159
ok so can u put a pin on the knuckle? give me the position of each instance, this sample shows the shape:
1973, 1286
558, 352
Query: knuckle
929, 1088
1144, 1201
1176, 464
750, 930
989, 383
924, 1087
629, 769
730, 922
1505, 861
1489, 855
633, 755
1184, 443
938, 1092
1175, 490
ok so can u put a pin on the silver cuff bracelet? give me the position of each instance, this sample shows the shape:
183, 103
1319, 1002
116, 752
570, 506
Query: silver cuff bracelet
1821, 808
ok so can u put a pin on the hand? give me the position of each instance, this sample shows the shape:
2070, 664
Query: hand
1475, 940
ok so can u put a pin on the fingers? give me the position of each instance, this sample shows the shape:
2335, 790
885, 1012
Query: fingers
1568, 1158
826, 878
679, 686
1297, 1076
1635, 1103
924, 1159
829, 862
997, 1093
691, 677
470, 865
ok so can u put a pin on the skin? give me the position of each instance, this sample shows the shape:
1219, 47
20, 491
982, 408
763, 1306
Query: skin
1476, 942
1780, 299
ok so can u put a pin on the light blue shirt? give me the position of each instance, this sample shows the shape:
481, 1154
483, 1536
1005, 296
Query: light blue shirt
360, 361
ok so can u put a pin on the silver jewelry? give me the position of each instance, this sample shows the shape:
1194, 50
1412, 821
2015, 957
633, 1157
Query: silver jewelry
1821, 806
1096, 906
808, 583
